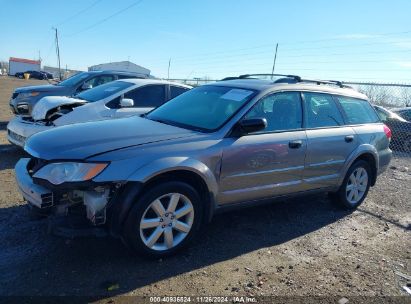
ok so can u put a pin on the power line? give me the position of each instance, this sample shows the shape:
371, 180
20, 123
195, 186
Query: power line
271, 45
105, 19
230, 55
251, 56
79, 13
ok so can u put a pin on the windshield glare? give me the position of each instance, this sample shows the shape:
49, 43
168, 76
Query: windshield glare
73, 80
104, 90
205, 108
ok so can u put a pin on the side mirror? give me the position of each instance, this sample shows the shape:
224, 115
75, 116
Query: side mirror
126, 103
86, 87
246, 126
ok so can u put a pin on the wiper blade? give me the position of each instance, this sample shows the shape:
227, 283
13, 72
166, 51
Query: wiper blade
160, 121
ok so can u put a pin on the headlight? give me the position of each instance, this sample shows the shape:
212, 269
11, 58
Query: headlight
58, 173
28, 94
22, 106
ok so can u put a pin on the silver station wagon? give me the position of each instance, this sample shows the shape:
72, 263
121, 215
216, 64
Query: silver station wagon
155, 180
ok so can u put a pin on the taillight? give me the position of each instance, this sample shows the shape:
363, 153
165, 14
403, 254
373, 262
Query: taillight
387, 132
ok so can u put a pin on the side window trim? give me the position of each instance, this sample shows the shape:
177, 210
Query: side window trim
340, 108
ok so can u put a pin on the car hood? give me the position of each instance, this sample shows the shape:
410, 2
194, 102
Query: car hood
47, 103
41, 88
83, 140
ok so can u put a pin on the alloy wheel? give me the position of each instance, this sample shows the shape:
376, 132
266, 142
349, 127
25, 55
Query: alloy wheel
167, 221
356, 185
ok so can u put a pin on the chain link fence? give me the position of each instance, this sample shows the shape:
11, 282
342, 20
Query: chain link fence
393, 105
392, 102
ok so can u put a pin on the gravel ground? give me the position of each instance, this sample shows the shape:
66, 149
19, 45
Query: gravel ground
295, 247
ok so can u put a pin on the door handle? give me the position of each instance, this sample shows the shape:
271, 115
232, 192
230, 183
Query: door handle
349, 138
295, 144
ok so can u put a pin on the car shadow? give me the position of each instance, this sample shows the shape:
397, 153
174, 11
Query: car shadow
35, 263
9, 155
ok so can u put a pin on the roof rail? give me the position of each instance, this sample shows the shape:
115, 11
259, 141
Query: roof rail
297, 78
332, 82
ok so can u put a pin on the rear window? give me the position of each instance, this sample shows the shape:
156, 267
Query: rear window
357, 111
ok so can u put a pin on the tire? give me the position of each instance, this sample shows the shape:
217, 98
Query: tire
343, 195
171, 231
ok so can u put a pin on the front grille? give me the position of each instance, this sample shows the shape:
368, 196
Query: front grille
14, 95
46, 200
16, 136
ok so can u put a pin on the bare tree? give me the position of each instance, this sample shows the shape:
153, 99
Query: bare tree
405, 96
379, 95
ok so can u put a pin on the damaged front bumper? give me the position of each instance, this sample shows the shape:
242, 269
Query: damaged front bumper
91, 203
19, 129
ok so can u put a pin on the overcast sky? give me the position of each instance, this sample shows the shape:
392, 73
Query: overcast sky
348, 40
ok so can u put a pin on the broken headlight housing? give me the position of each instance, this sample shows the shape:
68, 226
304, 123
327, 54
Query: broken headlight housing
58, 173
28, 94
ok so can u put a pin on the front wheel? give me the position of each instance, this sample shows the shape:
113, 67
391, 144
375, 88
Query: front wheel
355, 186
164, 220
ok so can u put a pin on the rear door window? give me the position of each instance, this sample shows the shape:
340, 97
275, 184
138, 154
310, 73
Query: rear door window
150, 96
357, 111
321, 111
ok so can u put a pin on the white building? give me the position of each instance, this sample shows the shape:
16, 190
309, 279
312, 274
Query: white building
125, 66
65, 73
22, 65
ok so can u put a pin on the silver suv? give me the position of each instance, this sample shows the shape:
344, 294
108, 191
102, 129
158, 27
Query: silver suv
155, 180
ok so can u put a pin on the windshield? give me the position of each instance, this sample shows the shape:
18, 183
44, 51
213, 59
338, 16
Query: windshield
104, 90
73, 80
204, 108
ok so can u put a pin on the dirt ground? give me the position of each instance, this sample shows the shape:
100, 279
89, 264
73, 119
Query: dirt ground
296, 247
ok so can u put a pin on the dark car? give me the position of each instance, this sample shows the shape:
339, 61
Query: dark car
400, 128
404, 113
35, 74
24, 98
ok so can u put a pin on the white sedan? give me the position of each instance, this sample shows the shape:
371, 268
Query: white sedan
115, 99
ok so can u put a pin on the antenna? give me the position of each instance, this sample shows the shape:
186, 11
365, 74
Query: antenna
275, 59
168, 71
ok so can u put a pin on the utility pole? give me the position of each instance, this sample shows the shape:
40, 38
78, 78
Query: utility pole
168, 71
275, 58
58, 52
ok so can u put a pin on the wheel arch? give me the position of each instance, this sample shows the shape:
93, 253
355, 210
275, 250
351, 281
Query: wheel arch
367, 153
192, 172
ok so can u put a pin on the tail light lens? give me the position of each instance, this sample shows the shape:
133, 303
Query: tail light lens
387, 132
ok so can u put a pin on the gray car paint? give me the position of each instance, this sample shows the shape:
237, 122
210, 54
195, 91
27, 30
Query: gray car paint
235, 169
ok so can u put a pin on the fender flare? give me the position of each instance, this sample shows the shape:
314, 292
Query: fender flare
124, 199
170, 164
361, 150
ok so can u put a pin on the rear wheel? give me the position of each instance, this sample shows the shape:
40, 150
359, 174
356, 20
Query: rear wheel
355, 186
164, 220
